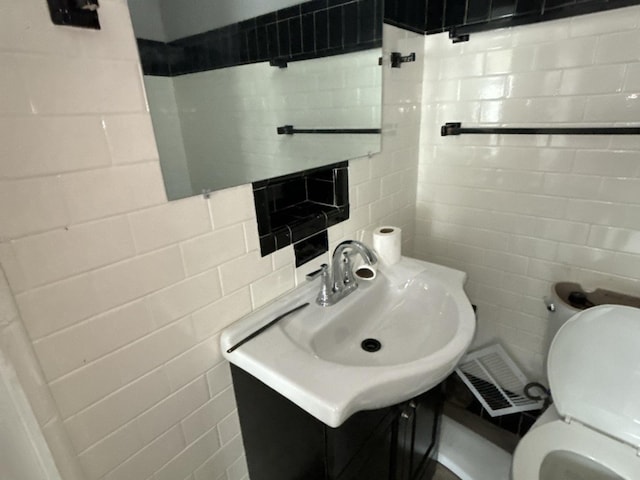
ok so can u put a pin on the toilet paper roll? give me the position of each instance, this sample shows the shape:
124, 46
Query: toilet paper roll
387, 242
362, 271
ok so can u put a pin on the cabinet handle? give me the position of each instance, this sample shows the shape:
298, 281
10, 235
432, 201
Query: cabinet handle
408, 413
412, 404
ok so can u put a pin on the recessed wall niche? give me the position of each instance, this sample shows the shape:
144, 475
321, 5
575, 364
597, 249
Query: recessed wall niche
293, 208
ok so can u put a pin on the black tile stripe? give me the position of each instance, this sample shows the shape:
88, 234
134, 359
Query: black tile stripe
312, 29
443, 15
331, 27
478, 11
310, 248
435, 16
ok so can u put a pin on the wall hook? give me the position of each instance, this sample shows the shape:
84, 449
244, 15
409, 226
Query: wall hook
75, 13
457, 37
278, 62
397, 59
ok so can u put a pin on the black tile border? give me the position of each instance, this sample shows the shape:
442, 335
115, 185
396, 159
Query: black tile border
309, 30
310, 248
405, 26
564, 11
321, 28
154, 57
296, 207
471, 16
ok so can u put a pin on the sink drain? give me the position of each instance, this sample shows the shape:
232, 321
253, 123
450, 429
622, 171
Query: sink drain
371, 345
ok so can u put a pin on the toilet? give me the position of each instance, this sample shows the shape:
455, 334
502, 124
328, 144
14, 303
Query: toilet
592, 430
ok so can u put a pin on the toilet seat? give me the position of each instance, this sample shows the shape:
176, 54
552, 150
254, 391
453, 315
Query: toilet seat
621, 459
594, 370
594, 374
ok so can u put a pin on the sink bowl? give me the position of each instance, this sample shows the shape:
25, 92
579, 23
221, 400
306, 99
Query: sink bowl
388, 341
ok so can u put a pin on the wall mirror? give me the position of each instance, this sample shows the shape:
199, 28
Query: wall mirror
231, 83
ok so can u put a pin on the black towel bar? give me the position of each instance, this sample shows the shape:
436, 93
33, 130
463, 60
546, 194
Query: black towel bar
457, 129
291, 130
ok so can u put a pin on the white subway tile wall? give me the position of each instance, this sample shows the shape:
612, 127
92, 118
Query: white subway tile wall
522, 212
122, 295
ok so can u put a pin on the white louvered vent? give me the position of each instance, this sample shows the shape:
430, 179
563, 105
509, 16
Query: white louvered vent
496, 381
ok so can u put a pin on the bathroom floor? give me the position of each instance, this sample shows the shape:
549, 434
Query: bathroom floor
500, 437
443, 473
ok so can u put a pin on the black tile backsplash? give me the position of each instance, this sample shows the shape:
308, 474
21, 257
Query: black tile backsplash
320, 191
335, 27
502, 8
283, 195
321, 30
294, 207
310, 248
454, 13
466, 16
329, 27
309, 30
505, 13
408, 14
295, 36
154, 57
478, 11
527, 7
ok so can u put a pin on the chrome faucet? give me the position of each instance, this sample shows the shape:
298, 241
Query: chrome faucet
340, 282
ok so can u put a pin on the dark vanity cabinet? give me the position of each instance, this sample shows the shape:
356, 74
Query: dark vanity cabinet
283, 442
418, 429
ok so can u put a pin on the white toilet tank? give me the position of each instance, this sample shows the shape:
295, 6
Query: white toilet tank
569, 298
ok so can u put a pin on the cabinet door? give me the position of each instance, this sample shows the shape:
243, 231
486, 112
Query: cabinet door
375, 462
417, 438
405, 439
281, 440
361, 448
427, 411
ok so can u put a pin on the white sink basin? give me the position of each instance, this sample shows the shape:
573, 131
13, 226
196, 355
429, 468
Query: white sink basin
418, 312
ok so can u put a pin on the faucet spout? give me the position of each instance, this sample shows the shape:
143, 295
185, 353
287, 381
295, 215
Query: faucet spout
339, 259
367, 254
341, 278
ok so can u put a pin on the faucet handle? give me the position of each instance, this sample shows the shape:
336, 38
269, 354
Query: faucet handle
347, 270
324, 297
324, 268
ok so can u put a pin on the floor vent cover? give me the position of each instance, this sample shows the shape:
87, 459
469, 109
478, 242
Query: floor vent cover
496, 381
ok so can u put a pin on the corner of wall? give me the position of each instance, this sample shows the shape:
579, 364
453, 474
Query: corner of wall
18, 350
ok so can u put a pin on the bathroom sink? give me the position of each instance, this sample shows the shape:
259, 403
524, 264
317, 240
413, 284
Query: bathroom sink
388, 341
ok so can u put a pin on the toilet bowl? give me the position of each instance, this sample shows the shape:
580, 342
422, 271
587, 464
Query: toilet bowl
593, 429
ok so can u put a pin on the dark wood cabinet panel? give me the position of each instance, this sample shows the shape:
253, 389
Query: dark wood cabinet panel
428, 408
283, 442
417, 444
354, 440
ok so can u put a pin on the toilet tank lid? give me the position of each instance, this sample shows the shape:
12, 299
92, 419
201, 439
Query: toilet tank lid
594, 370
